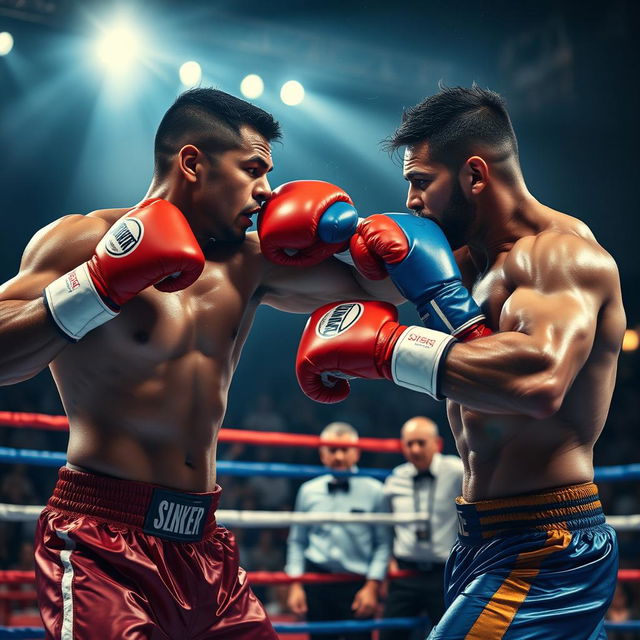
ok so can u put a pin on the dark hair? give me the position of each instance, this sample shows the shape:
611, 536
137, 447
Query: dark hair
209, 119
454, 122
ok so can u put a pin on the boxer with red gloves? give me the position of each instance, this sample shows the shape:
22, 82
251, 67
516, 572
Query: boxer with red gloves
417, 256
151, 245
143, 319
360, 339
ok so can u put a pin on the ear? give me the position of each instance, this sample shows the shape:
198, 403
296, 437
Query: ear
440, 444
188, 158
474, 176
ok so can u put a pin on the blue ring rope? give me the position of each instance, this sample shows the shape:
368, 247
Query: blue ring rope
347, 626
281, 469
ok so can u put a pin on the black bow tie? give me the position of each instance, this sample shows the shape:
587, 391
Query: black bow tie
423, 474
338, 484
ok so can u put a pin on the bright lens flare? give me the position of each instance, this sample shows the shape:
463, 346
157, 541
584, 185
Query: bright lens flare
292, 93
252, 86
118, 47
6, 43
190, 73
631, 340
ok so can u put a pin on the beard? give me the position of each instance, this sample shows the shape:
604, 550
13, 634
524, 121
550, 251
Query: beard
456, 218
229, 236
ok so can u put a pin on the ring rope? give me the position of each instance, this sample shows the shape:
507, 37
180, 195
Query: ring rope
280, 577
255, 577
251, 519
279, 519
281, 469
223, 467
338, 626
245, 436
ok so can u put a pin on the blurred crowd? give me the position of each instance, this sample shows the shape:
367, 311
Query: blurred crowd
282, 408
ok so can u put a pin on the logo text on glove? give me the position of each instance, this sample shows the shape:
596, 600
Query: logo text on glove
421, 340
124, 237
338, 319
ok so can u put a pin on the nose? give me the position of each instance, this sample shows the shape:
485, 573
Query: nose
262, 190
414, 202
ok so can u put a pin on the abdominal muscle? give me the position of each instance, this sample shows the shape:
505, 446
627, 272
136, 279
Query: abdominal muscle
162, 431
146, 393
507, 455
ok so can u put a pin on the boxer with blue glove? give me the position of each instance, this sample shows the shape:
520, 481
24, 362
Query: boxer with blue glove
534, 557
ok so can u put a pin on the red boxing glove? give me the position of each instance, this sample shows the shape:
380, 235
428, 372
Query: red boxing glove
151, 245
306, 221
345, 340
376, 242
362, 339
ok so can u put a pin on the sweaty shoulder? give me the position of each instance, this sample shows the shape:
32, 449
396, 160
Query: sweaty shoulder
561, 256
68, 241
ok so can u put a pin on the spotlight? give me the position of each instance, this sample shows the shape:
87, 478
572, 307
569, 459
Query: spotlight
6, 43
118, 47
631, 340
292, 93
252, 86
190, 73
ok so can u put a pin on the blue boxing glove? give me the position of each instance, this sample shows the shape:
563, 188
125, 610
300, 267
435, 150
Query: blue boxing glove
417, 256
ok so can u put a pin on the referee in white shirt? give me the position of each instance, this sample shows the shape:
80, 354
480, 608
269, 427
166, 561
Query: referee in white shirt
362, 549
428, 484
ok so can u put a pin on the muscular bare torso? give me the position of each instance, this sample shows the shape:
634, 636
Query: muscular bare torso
508, 454
145, 393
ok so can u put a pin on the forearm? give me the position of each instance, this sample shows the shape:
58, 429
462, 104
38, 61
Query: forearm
28, 340
379, 289
303, 289
503, 373
381, 552
373, 585
295, 553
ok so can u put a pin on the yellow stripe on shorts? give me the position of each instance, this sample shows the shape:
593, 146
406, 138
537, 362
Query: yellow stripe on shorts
499, 612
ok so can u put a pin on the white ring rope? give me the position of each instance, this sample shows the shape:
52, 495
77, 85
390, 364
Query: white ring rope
279, 519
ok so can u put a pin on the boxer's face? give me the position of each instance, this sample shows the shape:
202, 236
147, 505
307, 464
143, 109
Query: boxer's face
236, 184
340, 458
419, 442
435, 192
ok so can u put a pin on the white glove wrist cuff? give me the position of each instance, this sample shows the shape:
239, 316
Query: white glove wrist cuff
75, 305
417, 357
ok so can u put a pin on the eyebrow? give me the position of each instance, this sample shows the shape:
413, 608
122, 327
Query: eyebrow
261, 161
412, 175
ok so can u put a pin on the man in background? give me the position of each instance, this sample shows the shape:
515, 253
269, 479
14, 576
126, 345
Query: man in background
428, 483
361, 549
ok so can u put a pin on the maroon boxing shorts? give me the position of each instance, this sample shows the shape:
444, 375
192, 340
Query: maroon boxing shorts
120, 559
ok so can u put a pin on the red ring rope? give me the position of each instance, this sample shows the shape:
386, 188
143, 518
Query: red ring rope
60, 423
280, 577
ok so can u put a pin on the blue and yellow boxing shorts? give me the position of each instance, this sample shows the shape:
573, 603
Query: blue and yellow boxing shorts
528, 567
